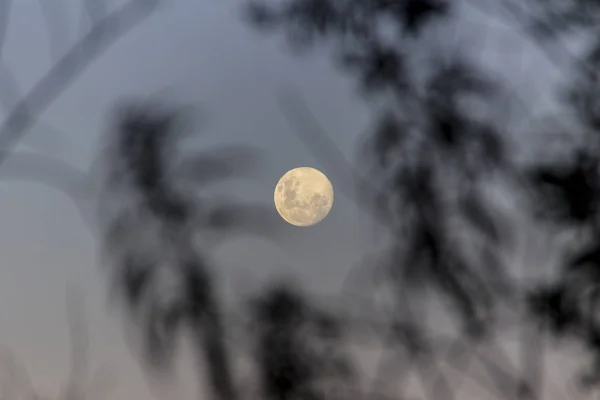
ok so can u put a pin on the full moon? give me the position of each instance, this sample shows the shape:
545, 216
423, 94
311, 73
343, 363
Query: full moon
303, 196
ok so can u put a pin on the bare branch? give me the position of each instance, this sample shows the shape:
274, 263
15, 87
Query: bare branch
10, 94
57, 26
95, 10
68, 68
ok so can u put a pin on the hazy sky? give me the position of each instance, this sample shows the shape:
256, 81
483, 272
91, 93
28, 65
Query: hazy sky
197, 52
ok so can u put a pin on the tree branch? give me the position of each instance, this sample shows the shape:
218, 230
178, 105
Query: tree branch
80, 56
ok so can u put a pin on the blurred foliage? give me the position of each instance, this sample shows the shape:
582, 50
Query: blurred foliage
433, 158
299, 348
152, 220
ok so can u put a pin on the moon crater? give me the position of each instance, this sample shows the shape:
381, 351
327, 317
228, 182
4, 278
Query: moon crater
303, 196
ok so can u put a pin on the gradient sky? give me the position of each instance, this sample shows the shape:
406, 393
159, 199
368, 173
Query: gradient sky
196, 52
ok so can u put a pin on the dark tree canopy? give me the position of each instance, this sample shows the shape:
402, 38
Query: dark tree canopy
434, 157
153, 213
431, 154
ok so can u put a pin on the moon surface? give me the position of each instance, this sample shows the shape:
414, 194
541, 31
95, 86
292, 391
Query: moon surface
303, 196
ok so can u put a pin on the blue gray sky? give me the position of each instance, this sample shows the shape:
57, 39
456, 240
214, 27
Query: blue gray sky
195, 52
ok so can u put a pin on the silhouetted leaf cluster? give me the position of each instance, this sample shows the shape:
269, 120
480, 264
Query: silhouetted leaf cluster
159, 269
355, 28
567, 194
570, 193
435, 169
434, 149
299, 348
568, 307
433, 158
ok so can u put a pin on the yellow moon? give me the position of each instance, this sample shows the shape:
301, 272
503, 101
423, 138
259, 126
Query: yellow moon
303, 196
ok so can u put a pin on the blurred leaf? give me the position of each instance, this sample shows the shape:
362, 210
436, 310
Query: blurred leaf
299, 346
158, 187
388, 136
217, 164
571, 192
552, 305
261, 16
379, 67
417, 12
247, 218
476, 214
